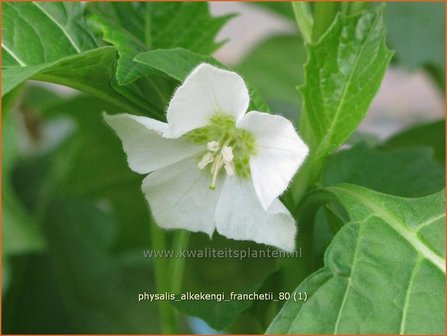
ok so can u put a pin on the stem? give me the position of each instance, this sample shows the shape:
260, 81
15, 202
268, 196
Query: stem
167, 314
178, 264
147, 26
324, 14
308, 176
303, 18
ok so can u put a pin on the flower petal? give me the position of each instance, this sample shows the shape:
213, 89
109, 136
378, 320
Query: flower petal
144, 145
206, 91
180, 197
280, 152
240, 215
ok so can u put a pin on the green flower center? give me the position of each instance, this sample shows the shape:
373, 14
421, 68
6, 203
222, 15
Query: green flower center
225, 146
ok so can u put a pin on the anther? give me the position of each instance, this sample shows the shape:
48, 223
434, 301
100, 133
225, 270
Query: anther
213, 146
227, 153
206, 159
229, 168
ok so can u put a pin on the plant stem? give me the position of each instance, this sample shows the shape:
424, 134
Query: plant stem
178, 264
147, 26
167, 314
303, 18
307, 177
324, 15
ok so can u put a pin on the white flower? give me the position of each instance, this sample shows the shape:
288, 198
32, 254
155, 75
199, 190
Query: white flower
214, 166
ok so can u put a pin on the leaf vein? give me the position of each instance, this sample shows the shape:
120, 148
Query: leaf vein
407, 295
409, 235
11, 53
70, 39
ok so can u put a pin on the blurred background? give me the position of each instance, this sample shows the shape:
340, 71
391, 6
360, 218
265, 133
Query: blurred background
408, 93
74, 220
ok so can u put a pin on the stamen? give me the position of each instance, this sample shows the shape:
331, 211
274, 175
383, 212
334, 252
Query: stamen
229, 168
215, 170
206, 159
213, 146
226, 143
227, 153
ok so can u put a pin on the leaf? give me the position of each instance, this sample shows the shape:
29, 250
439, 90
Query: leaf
343, 73
431, 135
43, 32
384, 271
130, 16
417, 31
167, 25
73, 65
178, 63
91, 72
408, 172
186, 25
272, 68
128, 46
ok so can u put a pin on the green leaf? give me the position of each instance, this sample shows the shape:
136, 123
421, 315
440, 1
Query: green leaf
43, 32
431, 135
178, 63
167, 25
384, 271
70, 61
91, 72
185, 25
130, 16
409, 172
343, 73
272, 68
128, 46
417, 31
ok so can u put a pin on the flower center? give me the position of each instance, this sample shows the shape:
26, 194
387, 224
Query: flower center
227, 147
